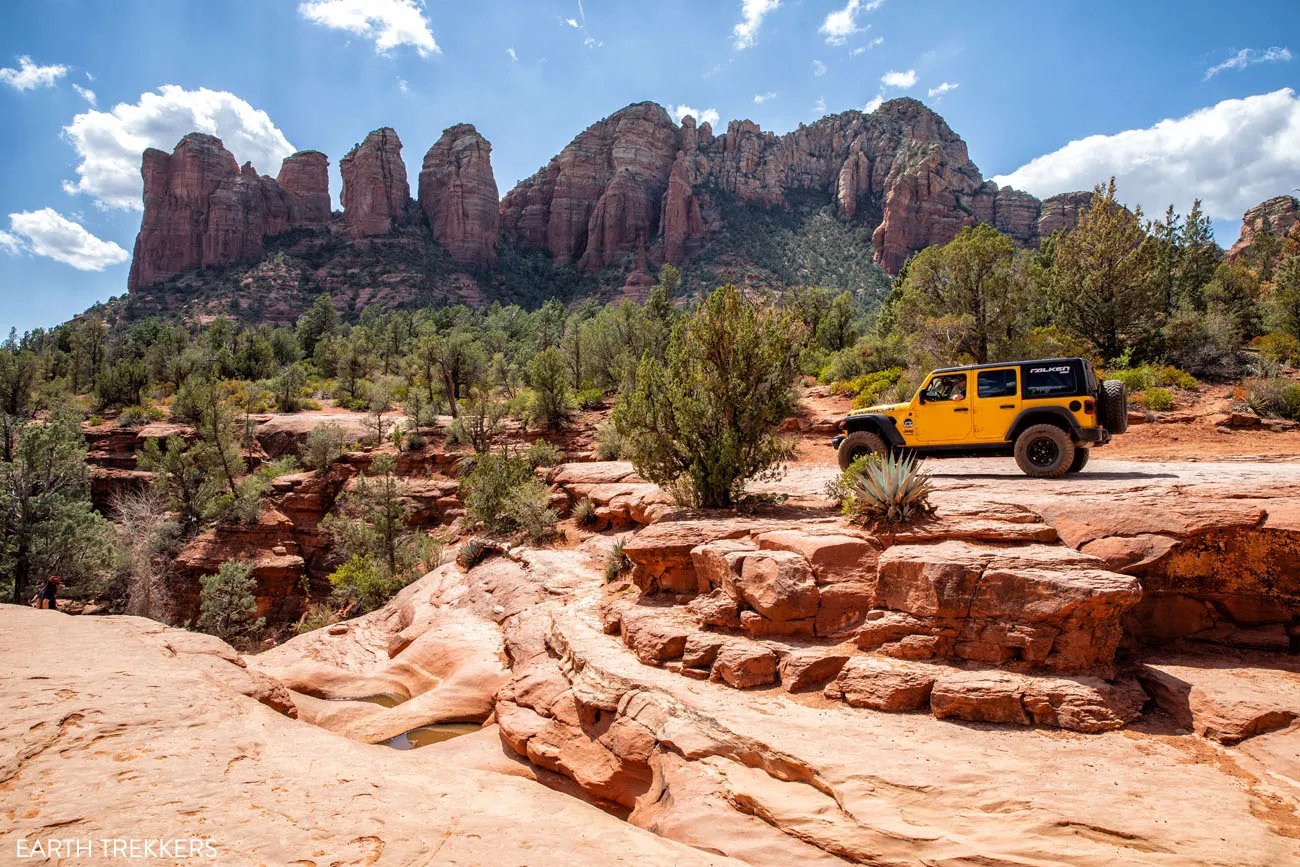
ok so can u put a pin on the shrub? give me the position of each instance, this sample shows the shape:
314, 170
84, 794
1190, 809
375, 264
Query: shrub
544, 454
227, 607
415, 441
1278, 347
1157, 399
503, 495
840, 488
894, 491
590, 398
617, 562
318, 615
95, 420
1274, 398
584, 512
609, 442
133, 416
324, 446
361, 579
869, 387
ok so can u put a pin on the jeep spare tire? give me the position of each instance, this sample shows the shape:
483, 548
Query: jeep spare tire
1112, 406
857, 444
1044, 451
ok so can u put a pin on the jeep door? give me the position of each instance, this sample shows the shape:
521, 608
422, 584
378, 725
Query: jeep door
941, 413
997, 402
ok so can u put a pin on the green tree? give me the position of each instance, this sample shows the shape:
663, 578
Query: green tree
47, 525
18, 373
552, 400
227, 606
704, 421
1198, 256
838, 329
970, 290
1102, 278
371, 525
317, 321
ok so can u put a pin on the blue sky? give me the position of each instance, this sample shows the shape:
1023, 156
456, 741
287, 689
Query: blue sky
1176, 98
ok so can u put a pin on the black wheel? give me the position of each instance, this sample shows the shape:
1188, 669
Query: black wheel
1080, 459
857, 444
1044, 451
1112, 406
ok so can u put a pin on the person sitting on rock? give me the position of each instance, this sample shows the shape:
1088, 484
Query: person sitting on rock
46, 598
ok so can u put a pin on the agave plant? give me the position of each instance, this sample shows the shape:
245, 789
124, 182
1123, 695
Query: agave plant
894, 491
617, 563
584, 512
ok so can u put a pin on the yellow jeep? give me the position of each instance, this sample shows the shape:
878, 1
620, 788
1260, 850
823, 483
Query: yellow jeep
1047, 414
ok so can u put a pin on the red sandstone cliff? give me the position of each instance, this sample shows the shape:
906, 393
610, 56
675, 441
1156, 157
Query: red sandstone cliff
636, 178
376, 196
201, 208
1275, 216
458, 195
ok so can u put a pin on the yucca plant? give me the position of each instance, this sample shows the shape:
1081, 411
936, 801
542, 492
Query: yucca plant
894, 491
584, 512
617, 563
471, 553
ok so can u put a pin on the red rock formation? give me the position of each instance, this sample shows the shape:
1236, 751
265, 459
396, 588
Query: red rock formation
634, 178
1062, 212
458, 195
305, 179
600, 198
1275, 216
376, 195
201, 208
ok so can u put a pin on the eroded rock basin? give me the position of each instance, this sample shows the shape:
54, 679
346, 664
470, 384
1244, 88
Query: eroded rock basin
773, 687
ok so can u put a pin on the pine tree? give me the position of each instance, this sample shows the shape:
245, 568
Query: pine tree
1198, 256
227, 606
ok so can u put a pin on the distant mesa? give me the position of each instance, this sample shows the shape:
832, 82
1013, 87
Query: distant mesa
632, 186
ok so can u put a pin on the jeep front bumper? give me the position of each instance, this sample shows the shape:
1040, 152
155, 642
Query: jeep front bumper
836, 440
1095, 435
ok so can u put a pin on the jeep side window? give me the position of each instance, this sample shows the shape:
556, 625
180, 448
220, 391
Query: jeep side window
1049, 380
941, 388
996, 383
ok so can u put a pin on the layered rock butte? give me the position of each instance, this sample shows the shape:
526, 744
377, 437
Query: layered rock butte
635, 184
1276, 216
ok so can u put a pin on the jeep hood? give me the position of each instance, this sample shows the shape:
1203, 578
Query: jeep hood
884, 407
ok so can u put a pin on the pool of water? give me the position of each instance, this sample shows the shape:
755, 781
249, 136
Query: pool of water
386, 699
434, 734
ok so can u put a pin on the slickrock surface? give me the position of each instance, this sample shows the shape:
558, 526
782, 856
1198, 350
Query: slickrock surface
118, 728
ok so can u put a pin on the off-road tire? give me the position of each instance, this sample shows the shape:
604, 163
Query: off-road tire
1080, 461
1112, 406
1044, 451
860, 443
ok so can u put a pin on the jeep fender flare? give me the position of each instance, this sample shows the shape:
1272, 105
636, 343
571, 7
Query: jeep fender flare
877, 424
1044, 415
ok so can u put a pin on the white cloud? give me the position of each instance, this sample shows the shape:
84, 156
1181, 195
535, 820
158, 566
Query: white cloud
942, 89
879, 40
48, 233
85, 93
819, 107
403, 85
819, 68
1248, 57
861, 49
388, 23
28, 75
707, 115
903, 80
1232, 156
110, 143
752, 14
760, 98
874, 104
572, 22
592, 42
514, 58
843, 23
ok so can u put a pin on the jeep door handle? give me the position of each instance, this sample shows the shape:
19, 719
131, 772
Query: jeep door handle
1007, 406
961, 409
